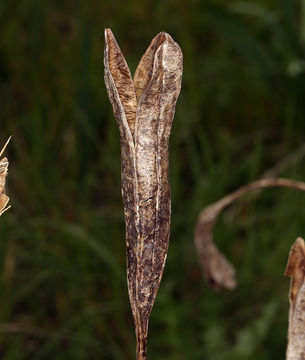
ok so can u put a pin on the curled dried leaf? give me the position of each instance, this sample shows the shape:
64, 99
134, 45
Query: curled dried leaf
216, 268
295, 269
144, 163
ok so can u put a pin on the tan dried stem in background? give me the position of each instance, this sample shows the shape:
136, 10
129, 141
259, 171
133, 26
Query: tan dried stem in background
295, 269
3, 173
144, 108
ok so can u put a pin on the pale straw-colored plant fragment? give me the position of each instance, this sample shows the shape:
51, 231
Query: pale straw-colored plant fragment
144, 108
216, 268
295, 269
4, 199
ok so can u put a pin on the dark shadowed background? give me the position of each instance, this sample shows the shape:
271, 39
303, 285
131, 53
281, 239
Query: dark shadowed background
63, 291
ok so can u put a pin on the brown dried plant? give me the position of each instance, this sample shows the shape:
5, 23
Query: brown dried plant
295, 269
216, 268
3, 173
144, 108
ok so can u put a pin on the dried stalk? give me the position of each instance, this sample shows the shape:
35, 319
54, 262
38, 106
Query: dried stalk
144, 108
216, 268
295, 269
3, 173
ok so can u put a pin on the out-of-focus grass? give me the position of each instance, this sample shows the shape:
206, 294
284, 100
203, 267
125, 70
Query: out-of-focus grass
63, 292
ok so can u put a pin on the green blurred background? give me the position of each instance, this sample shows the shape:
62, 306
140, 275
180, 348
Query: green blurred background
63, 292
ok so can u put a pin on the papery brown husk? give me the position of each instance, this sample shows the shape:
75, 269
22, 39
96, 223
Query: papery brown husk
144, 135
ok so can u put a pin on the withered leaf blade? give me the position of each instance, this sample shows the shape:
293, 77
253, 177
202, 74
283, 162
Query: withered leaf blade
216, 268
120, 73
144, 164
296, 331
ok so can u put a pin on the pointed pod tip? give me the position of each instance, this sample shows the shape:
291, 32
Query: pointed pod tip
109, 40
107, 32
299, 245
162, 37
166, 38
108, 35
164, 33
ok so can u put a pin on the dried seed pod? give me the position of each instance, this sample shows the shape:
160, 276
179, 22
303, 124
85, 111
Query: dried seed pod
3, 173
144, 109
